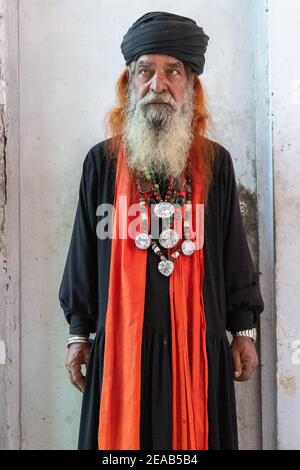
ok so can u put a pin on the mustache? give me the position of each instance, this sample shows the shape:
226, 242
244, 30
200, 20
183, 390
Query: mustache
162, 98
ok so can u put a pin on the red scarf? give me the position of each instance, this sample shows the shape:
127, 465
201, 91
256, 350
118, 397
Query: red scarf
119, 419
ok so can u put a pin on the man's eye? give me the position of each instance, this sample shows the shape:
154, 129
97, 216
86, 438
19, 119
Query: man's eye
143, 71
174, 72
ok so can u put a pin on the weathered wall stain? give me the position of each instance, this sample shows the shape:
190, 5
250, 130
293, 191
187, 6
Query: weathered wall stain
248, 206
287, 383
3, 143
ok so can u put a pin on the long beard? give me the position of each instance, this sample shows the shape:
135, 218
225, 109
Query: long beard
158, 136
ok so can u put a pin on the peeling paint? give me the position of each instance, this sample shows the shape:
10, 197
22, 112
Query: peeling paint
5, 371
287, 383
3, 139
3, 147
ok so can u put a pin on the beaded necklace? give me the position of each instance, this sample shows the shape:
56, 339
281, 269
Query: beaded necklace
179, 194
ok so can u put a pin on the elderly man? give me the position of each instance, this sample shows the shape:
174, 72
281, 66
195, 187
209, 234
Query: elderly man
162, 276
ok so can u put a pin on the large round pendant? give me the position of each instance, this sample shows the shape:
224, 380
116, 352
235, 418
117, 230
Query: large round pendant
142, 241
168, 238
164, 210
187, 247
166, 267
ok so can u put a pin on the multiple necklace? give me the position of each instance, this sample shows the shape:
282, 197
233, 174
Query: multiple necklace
179, 193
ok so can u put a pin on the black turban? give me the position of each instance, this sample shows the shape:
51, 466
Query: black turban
160, 32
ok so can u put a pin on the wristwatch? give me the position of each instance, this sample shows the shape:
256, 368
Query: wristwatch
252, 333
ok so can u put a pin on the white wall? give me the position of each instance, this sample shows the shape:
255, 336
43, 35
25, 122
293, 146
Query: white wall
69, 60
285, 104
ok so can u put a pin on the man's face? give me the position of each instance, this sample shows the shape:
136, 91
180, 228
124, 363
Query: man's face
158, 88
160, 73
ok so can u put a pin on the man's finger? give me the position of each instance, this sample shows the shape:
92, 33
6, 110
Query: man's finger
247, 370
237, 365
72, 379
86, 357
77, 376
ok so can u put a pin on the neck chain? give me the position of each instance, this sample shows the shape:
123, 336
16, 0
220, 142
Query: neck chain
179, 193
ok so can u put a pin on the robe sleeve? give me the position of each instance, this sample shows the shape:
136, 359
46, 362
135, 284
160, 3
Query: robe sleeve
78, 294
243, 297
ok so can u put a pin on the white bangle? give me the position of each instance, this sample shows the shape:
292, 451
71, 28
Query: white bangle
79, 336
78, 339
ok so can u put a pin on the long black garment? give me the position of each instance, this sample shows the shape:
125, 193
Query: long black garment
232, 301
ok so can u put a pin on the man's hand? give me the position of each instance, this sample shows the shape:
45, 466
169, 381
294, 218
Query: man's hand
77, 354
244, 357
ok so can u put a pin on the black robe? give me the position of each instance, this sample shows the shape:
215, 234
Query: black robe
232, 301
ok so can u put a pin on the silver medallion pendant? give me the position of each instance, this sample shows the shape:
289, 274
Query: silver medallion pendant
166, 267
142, 240
187, 247
164, 210
168, 238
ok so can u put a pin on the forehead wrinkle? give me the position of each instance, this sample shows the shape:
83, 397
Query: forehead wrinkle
145, 62
148, 62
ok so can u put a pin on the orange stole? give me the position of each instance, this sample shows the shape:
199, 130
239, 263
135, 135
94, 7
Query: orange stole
119, 417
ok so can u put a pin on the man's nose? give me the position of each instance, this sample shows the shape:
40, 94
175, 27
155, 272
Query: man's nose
158, 83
